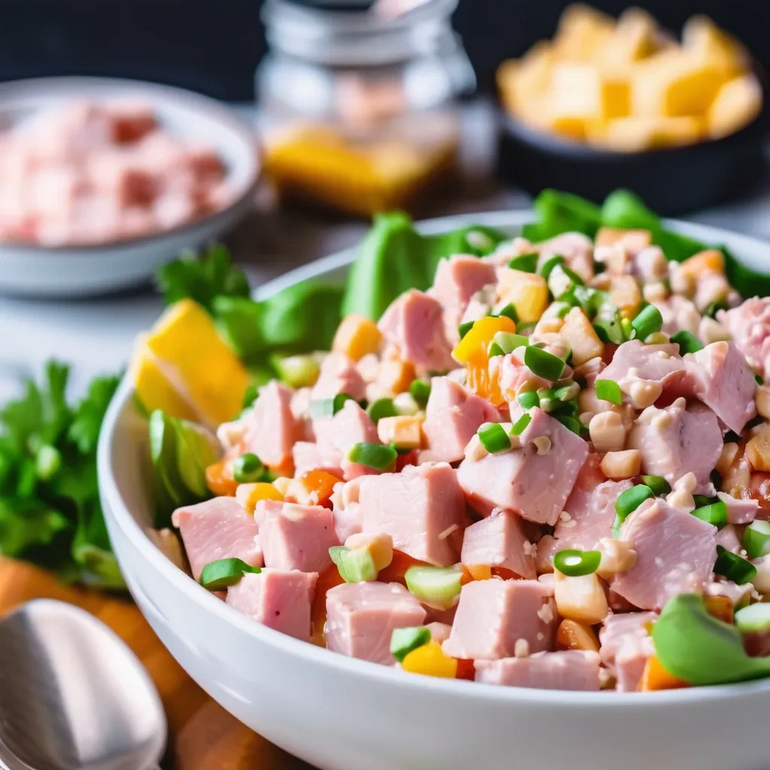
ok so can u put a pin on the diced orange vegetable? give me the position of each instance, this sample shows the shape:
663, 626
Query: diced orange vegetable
260, 491
710, 260
396, 376
313, 488
721, 607
394, 573
473, 346
356, 336
758, 450
219, 478
655, 677
430, 660
572, 635
480, 571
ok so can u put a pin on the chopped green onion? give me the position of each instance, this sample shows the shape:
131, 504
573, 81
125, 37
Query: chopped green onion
569, 422
375, 456
733, 567
509, 311
328, 407
714, 513
657, 484
494, 438
354, 565
714, 307
543, 364
756, 539
609, 390
521, 425
687, 341
464, 328
527, 263
250, 395
628, 502
382, 407
575, 563
753, 619
297, 371
495, 350
220, 574
438, 587
566, 390
648, 321
758, 380
550, 264
528, 399
547, 401
247, 468
508, 341
701, 500
608, 325
404, 640
420, 391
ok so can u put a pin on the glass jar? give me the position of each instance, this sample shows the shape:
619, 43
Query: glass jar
359, 108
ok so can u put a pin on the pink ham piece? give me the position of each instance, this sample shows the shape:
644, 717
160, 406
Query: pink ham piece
422, 509
276, 598
499, 541
634, 362
626, 645
307, 457
457, 280
728, 538
439, 632
577, 250
515, 376
270, 427
217, 529
524, 480
677, 440
361, 617
414, 323
749, 325
295, 537
675, 554
452, 417
568, 670
338, 375
739, 511
493, 615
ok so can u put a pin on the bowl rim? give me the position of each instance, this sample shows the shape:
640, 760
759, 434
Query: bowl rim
117, 509
156, 92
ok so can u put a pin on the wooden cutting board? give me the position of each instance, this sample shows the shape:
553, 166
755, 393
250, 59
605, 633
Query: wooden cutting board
202, 735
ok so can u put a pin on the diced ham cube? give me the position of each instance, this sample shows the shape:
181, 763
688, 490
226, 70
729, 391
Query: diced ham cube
499, 541
307, 456
501, 619
577, 250
295, 537
338, 375
525, 479
457, 280
749, 325
271, 428
117, 173
626, 646
515, 377
739, 511
635, 362
568, 670
130, 121
276, 598
452, 417
337, 435
675, 553
677, 440
217, 529
439, 632
361, 617
422, 509
414, 323
728, 538
678, 314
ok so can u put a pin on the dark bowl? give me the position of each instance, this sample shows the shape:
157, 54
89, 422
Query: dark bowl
672, 181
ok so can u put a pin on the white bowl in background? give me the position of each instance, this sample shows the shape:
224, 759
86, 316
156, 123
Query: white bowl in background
77, 271
339, 713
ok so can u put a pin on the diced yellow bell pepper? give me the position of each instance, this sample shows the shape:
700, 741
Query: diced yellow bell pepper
251, 494
356, 336
199, 362
738, 102
528, 292
480, 335
430, 660
480, 571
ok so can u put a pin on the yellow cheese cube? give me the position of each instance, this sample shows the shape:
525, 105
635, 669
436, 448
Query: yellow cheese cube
356, 336
528, 292
405, 431
520, 80
737, 103
632, 134
582, 32
707, 42
634, 38
580, 90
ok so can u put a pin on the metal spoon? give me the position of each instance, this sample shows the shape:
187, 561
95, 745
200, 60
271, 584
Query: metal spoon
73, 696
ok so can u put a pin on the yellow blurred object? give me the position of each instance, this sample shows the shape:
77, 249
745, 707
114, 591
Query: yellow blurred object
708, 43
634, 134
580, 90
528, 292
430, 660
736, 104
186, 349
480, 335
635, 38
356, 336
582, 31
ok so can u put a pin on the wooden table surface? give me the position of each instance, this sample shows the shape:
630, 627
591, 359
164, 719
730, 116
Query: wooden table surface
202, 735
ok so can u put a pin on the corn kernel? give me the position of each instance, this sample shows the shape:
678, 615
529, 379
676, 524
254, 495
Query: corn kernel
430, 660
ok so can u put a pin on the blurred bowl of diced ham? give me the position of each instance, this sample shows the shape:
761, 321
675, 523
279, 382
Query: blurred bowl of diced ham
101, 180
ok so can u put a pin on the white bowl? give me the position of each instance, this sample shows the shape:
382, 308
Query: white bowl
76, 271
344, 714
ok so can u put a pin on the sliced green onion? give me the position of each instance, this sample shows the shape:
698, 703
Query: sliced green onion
420, 390
494, 438
546, 399
438, 587
628, 502
509, 311
758, 380
565, 391
569, 422
687, 341
701, 500
375, 456
328, 407
354, 565
609, 390
543, 364
382, 407
550, 264
575, 563
250, 395
753, 619
714, 513
220, 574
247, 468
733, 567
508, 341
464, 328
527, 263
528, 399
298, 371
521, 425
657, 484
756, 539
608, 325
648, 321
404, 640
